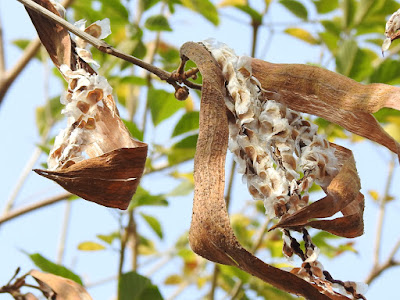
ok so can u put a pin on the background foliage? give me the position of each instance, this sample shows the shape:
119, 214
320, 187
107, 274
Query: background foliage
148, 243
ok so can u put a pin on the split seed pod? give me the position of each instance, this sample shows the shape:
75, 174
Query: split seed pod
95, 157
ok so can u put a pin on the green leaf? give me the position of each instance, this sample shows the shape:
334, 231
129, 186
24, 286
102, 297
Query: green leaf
188, 122
154, 224
363, 64
115, 11
364, 8
384, 115
146, 246
90, 246
23, 43
183, 189
296, 8
162, 105
302, 34
143, 197
254, 15
157, 23
173, 279
346, 57
47, 266
132, 286
326, 6
48, 114
183, 150
349, 9
387, 72
148, 3
205, 8
321, 240
235, 272
134, 130
109, 238
330, 40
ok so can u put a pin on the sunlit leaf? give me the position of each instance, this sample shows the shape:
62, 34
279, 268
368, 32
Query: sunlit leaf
235, 272
90, 246
374, 194
109, 238
363, 64
188, 122
183, 189
23, 43
296, 8
326, 6
173, 279
162, 105
346, 57
147, 4
394, 130
143, 197
231, 3
183, 150
302, 34
349, 9
47, 115
363, 9
146, 246
254, 15
157, 23
205, 8
154, 224
387, 72
132, 286
134, 130
47, 266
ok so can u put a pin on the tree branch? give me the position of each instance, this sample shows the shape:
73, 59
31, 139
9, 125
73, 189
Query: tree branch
381, 213
2, 54
99, 44
378, 268
29, 208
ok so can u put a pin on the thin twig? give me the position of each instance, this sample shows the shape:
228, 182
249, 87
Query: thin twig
97, 43
133, 236
378, 268
29, 208
2, 54
64, 232
381, 213
21, 180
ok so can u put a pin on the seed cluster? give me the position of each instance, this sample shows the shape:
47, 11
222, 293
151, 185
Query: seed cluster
85, 99
89, 107
280, 155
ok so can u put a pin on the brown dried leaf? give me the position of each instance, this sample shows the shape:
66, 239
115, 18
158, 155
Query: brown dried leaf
65, 289
110, 179
331, 96
211, 234
343, 194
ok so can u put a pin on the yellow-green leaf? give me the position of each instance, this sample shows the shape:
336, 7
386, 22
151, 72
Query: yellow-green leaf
374, 194
90, 246
173, 279
302, 34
